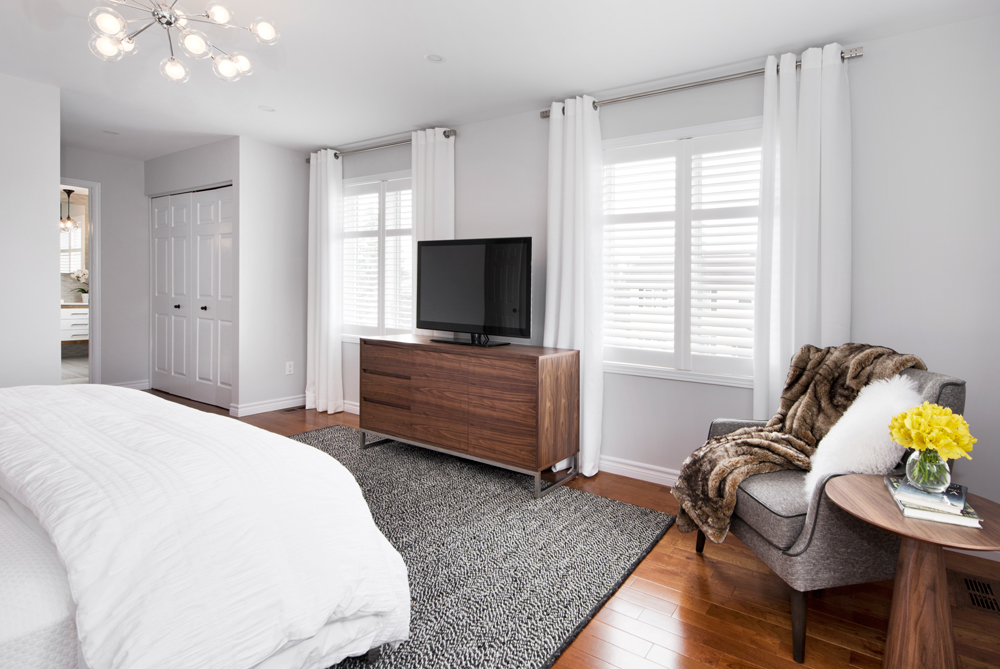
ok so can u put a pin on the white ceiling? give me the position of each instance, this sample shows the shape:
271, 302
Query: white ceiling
348, 71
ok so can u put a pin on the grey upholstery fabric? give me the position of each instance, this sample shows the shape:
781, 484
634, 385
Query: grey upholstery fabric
721, 426
774, 505
832, 547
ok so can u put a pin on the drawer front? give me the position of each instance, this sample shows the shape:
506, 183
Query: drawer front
391, 390
441, 399
75, 336
74, 315
384, 418
503, 411
385, 359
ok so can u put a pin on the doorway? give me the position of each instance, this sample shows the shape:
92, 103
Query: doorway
78, 223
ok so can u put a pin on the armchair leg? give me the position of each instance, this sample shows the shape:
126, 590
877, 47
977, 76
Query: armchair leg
700, 542
798, 626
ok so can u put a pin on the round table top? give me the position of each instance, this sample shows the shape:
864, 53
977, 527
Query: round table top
866, 497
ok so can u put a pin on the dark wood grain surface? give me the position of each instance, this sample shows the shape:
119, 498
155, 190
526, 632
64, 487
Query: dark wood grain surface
865, 496
513, 405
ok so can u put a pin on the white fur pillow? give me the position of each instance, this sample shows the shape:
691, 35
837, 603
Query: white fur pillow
859, 443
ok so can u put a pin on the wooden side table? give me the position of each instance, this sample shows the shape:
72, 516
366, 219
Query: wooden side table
920, 622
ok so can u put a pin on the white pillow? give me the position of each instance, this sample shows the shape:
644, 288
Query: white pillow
860, 443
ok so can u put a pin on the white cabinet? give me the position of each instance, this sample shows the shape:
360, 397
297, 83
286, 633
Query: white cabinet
193, 295
75, 323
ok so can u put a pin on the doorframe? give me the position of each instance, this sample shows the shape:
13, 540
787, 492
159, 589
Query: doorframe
94, 267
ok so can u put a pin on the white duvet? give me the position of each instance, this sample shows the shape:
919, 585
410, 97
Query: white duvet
192, 540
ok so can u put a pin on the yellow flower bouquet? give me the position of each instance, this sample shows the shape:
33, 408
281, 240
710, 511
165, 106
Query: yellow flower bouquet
936, 435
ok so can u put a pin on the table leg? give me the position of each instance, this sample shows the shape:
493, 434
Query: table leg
920, 623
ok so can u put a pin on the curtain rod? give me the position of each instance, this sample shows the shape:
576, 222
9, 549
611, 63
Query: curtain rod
846, 54
338, 154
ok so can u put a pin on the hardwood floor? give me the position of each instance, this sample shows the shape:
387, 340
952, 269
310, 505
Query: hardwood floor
723, 608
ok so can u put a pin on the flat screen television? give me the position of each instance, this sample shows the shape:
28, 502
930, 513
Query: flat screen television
478, 286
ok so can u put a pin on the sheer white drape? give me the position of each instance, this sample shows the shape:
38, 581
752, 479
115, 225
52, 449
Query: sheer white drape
324, 313
432, 165
574, 277
803, 287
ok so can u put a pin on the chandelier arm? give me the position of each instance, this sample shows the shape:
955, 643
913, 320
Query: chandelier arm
170, 42
196, 18
141, 30
138, 5
218, 49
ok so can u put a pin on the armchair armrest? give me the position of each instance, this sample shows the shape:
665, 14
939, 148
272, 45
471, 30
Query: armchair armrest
721, 426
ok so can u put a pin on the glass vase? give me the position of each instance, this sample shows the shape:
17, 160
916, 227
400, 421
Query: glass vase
927, 471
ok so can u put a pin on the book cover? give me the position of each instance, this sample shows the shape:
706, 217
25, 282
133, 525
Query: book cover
966, 517
951, 500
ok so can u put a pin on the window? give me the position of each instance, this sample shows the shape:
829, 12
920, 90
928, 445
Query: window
378, 256
70, 250
680, 250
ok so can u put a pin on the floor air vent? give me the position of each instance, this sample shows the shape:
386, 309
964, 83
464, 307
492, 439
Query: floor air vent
976, 593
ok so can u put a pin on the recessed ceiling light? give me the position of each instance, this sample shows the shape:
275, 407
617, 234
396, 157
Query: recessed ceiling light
110, 132
265, 108
434, 58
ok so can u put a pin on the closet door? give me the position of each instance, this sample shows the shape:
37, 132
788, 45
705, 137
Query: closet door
213, 276
171, 298
193, 291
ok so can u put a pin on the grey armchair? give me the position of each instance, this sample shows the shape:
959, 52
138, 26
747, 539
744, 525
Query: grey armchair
813, 544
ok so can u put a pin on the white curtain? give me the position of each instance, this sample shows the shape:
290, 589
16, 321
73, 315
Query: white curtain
324, 315
803, 288
432, 173
574, 278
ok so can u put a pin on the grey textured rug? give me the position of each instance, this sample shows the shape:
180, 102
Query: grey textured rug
497, 578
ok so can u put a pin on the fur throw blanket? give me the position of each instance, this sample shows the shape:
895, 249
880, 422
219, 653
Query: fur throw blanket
821, 384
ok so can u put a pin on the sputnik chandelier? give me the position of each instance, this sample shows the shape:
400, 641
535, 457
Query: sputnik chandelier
114, 36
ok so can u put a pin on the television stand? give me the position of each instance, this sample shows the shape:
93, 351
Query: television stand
477, 340
516, 407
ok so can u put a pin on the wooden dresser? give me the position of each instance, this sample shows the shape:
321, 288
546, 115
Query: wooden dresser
516, 407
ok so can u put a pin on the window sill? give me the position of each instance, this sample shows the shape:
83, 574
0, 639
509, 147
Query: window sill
649, 371
352, 338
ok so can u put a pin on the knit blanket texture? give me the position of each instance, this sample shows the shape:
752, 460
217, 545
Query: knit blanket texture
822, 383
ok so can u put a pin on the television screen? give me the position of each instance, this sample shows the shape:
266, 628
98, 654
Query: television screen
479, 286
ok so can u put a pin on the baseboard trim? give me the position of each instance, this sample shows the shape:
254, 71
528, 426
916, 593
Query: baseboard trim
639, 470
134, 385
352, 407
251, 408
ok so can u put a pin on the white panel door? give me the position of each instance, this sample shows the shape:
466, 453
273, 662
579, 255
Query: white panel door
193, 295
213, 277
171, 293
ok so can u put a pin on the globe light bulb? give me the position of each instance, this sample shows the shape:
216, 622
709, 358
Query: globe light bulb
242, 62
106, 47
195, 44
226, 68
218, 13
264, 31
174, 70
106, 21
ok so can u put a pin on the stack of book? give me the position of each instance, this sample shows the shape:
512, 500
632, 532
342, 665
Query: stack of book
949, 506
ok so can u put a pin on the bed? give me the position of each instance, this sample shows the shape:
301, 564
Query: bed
135, 532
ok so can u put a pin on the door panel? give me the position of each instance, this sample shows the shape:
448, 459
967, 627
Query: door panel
440, 404
503, 400
193, 295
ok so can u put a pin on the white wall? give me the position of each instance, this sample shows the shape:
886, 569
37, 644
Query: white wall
124, 269
203, 166
274, 224
926, 228
29, 233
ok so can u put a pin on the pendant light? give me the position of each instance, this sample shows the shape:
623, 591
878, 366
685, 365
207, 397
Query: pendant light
67, 224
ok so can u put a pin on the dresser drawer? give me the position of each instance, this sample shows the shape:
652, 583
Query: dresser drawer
385, 389
385, 359
390, 420
74, 335
74, 315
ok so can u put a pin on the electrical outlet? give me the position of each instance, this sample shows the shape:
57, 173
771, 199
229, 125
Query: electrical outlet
289, 368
